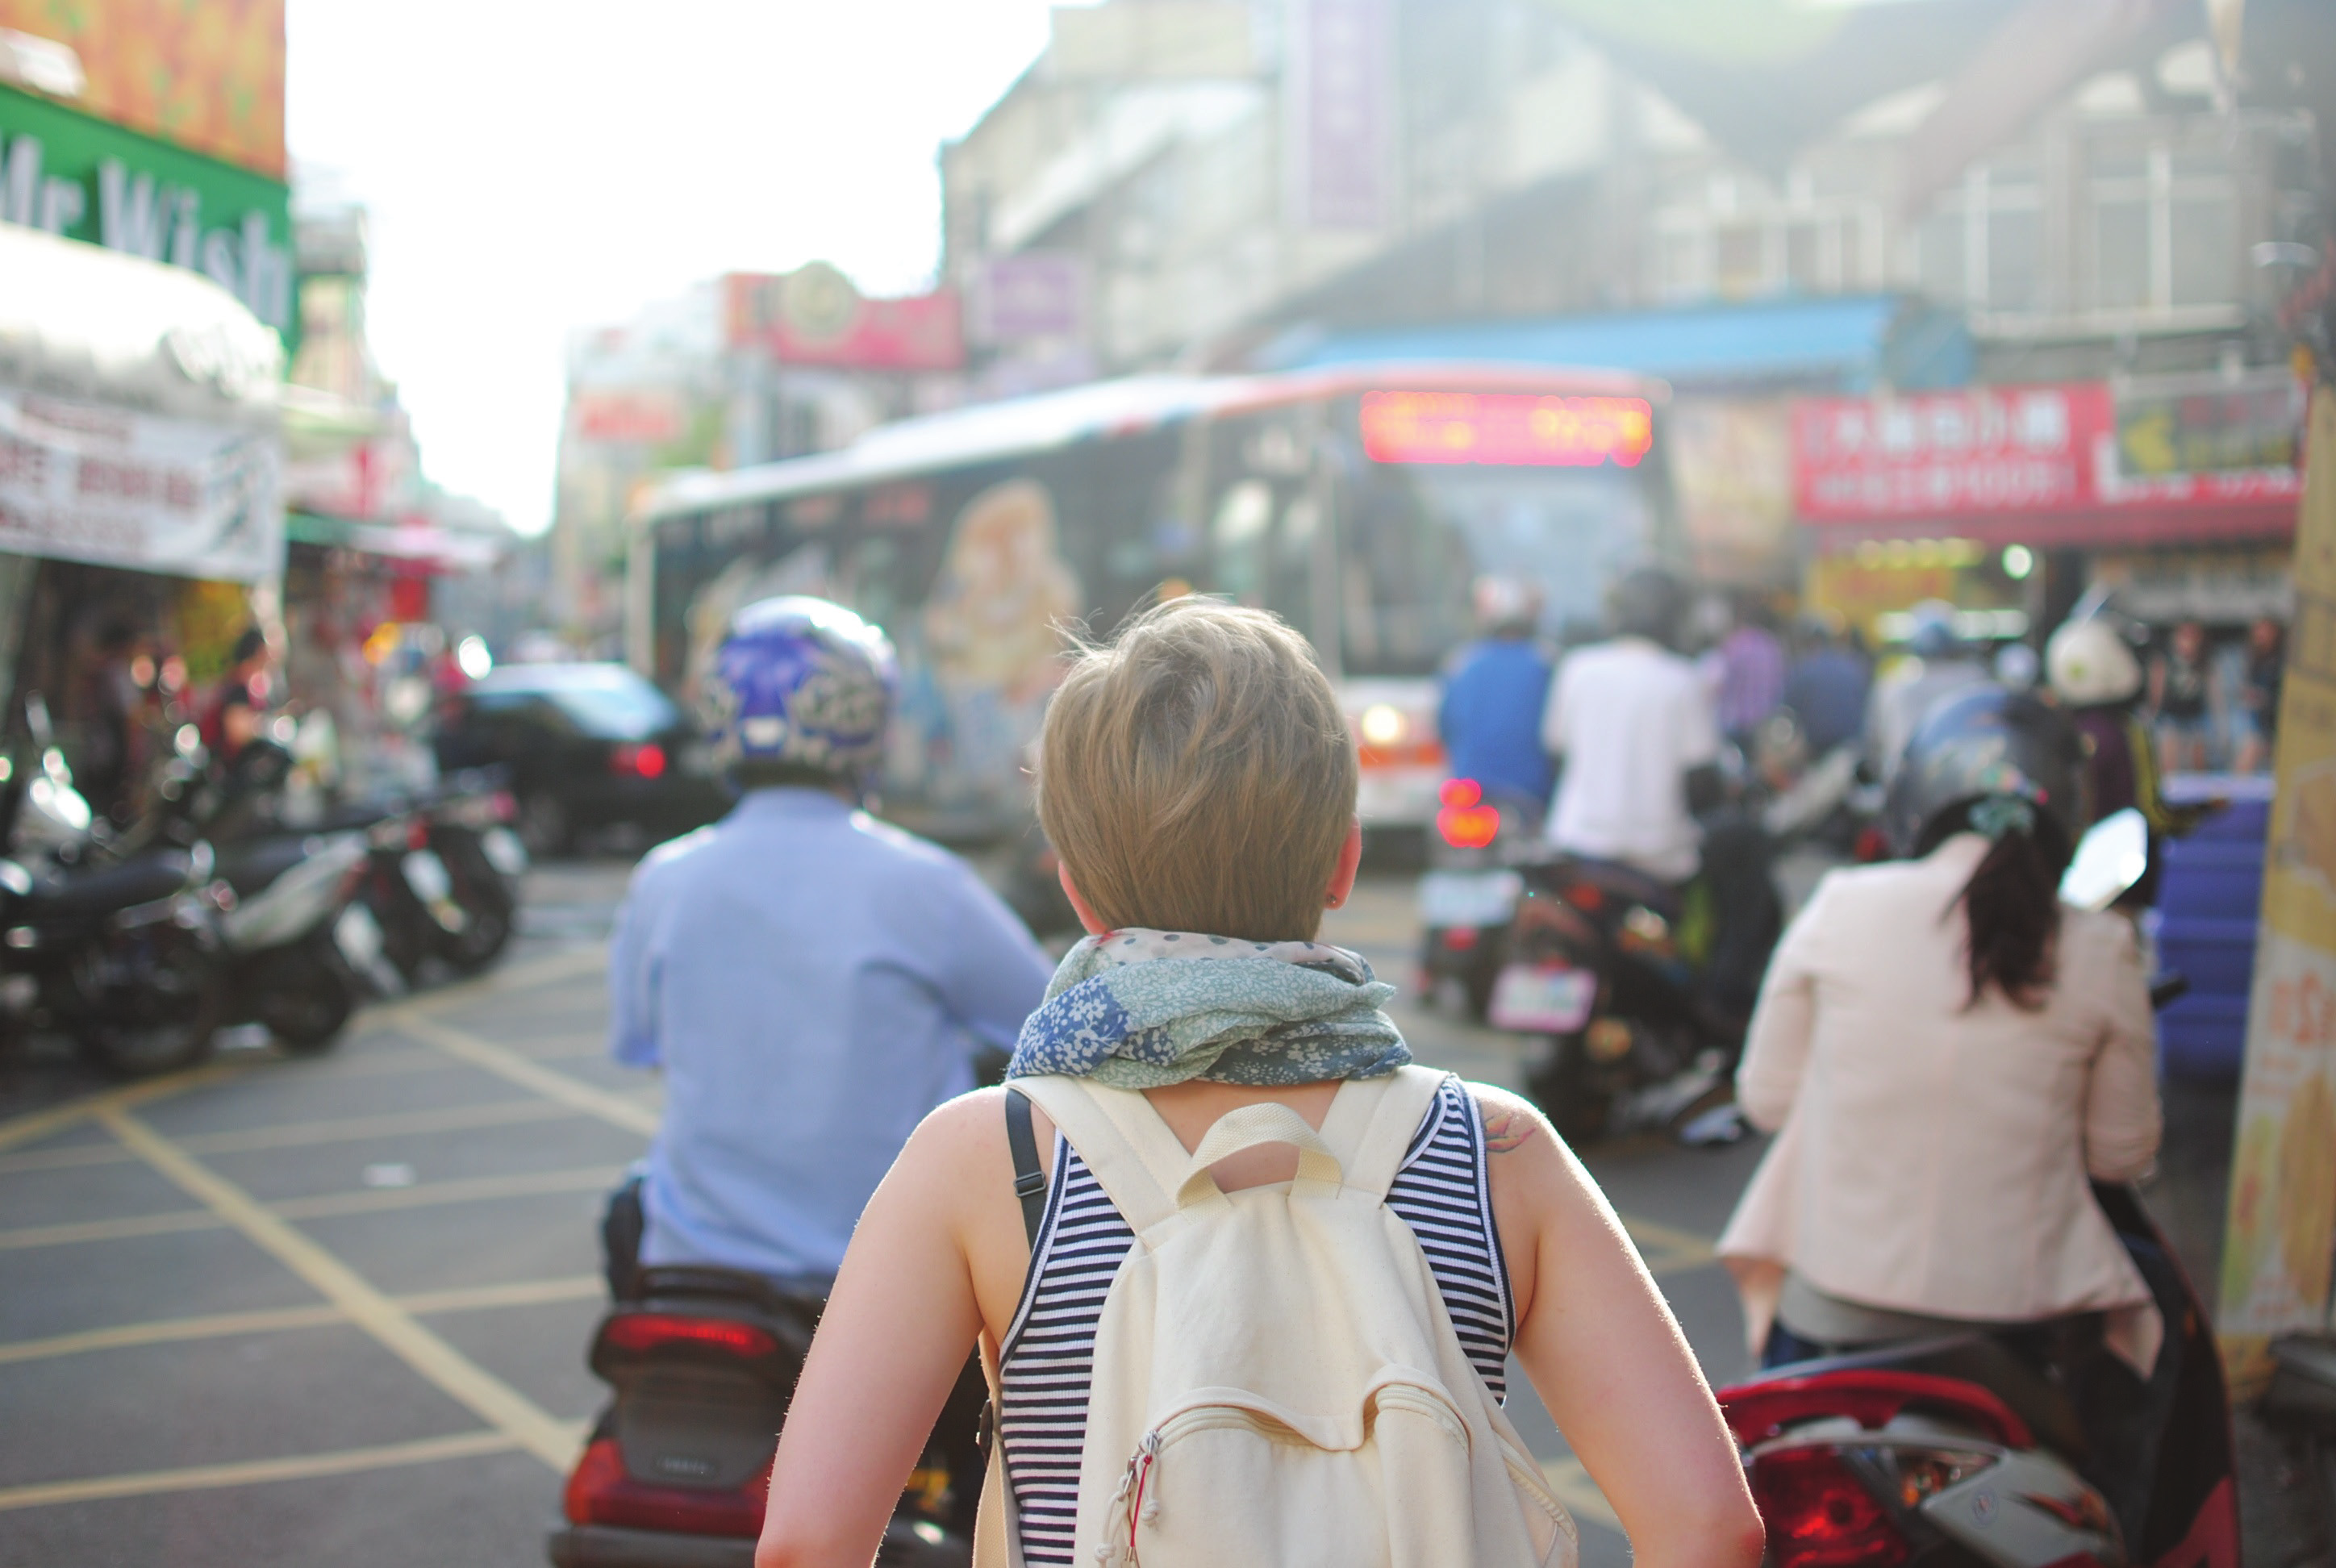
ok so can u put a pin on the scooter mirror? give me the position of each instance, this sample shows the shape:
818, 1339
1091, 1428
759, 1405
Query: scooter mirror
2109, 859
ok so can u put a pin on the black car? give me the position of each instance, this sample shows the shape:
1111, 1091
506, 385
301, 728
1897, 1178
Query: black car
586, 747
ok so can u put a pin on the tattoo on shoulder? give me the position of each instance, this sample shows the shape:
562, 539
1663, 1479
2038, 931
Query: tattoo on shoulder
1507, 1129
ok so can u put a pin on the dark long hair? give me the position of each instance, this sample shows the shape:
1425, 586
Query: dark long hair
2012, 905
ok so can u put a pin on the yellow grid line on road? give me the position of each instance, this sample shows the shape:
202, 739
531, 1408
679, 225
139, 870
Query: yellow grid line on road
36, 1124
128, 1228
252, 1472
1667, 1248
171, 1332
610, 1106
517, 1417
294, 1135
278, 1319
519, 1293
429, 1194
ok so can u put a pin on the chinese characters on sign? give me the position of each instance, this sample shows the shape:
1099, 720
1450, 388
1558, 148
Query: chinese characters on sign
1339, 112
2038, 451
84, 482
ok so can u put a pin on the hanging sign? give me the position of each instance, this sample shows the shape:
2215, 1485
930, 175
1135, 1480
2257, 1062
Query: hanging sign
2279, 1247
85, 179
84, 481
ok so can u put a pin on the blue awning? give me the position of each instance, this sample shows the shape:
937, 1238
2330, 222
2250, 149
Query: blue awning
1835, 343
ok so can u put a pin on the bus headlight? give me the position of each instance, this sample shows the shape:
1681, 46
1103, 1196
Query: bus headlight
1383, 725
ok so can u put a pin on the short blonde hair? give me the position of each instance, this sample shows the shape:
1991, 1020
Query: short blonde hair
1196, 773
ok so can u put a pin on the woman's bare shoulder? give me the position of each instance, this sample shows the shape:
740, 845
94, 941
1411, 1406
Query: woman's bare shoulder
1511, 1121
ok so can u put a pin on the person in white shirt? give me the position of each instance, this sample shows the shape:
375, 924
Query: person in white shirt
1632, 723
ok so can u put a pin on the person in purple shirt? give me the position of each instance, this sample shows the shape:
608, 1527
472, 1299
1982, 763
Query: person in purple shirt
1751, 669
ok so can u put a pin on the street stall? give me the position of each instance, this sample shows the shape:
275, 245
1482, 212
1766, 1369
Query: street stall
139, 510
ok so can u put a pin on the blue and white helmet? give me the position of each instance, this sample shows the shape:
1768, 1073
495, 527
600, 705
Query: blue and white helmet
803, 683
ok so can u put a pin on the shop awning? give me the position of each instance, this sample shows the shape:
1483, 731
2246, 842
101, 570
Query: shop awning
425, 546
80, 321
1843, 344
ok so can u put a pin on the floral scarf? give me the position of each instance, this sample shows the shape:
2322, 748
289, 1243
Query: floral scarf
1139, 1009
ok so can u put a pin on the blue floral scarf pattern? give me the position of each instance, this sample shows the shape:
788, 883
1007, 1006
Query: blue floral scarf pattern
1141, 1009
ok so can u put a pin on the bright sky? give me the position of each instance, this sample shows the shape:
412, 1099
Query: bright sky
533, 167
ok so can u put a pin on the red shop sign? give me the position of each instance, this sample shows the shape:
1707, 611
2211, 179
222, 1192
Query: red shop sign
1980, 450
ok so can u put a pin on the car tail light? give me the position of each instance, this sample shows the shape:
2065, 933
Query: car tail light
639, 1331
1465, 821
645, 759
505, 805
1820, 1515
1872, 1396
601, 1491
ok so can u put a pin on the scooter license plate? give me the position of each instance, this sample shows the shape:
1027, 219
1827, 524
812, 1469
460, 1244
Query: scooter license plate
504, 852
1479, 898
358, 937
1535, 1000
425, 873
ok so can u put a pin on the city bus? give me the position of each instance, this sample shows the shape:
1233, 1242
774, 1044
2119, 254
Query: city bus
1359, 504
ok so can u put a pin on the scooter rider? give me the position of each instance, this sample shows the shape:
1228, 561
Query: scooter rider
1940, 664
2097, 679
1952, 1051
1490, 715
1632, 725
810, 981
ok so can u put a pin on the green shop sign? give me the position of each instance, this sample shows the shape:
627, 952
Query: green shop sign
63, 171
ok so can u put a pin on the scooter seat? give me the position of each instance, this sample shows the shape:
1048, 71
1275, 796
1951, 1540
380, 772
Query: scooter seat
1625, 882
252, 864
86, 892
1975, 1359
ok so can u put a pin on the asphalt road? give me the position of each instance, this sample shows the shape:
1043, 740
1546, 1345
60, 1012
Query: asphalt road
302, 1311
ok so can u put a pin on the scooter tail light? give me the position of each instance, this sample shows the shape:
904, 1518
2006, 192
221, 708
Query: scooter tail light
1819, 1515
639, 1331
601, 1491
645, 759
1872, 1396
417, 835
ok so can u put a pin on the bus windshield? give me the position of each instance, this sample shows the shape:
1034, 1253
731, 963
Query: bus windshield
1420, 536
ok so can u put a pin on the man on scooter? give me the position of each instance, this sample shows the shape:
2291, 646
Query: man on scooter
1489, 718
810, 981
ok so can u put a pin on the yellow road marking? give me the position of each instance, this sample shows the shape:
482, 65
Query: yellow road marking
24, 1129
588, 958
618, 1109
171, 1330
120, 1230
293, 1135
1666, 1248
510, 1412
252, 1472
1578, 1492
277, 1319
472, 1189
520, 1293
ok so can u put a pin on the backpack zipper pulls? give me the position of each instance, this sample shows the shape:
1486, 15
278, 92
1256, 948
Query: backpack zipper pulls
1138, 1496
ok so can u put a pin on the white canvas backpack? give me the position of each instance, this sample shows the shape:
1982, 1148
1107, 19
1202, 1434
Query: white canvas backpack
1277, 1381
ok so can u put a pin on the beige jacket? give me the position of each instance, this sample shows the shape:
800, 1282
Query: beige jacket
1933, 1158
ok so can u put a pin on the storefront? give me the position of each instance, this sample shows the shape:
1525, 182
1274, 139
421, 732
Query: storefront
2010, 502
141, 528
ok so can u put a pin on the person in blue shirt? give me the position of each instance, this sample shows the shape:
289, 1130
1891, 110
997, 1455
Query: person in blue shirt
810, 981
1826, 687
1494, 695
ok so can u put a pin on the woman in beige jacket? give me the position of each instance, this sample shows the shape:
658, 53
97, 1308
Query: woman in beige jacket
1947, 1053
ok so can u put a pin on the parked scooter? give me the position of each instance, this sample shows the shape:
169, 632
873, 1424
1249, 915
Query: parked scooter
128, 960
679, 1466
441, 877
1953, 1450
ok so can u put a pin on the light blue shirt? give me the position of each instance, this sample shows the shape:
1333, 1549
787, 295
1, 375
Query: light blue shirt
811, 982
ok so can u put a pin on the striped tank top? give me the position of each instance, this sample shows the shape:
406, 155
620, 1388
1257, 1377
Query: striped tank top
1442, 1192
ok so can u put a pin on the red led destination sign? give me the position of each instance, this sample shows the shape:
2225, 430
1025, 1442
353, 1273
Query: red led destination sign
1505, 429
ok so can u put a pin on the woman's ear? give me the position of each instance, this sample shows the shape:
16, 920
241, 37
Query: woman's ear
1095, 928
1342, 879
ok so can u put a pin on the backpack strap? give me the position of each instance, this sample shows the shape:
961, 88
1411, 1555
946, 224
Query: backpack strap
1372, 1122
1123, 1141
1029, 1180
